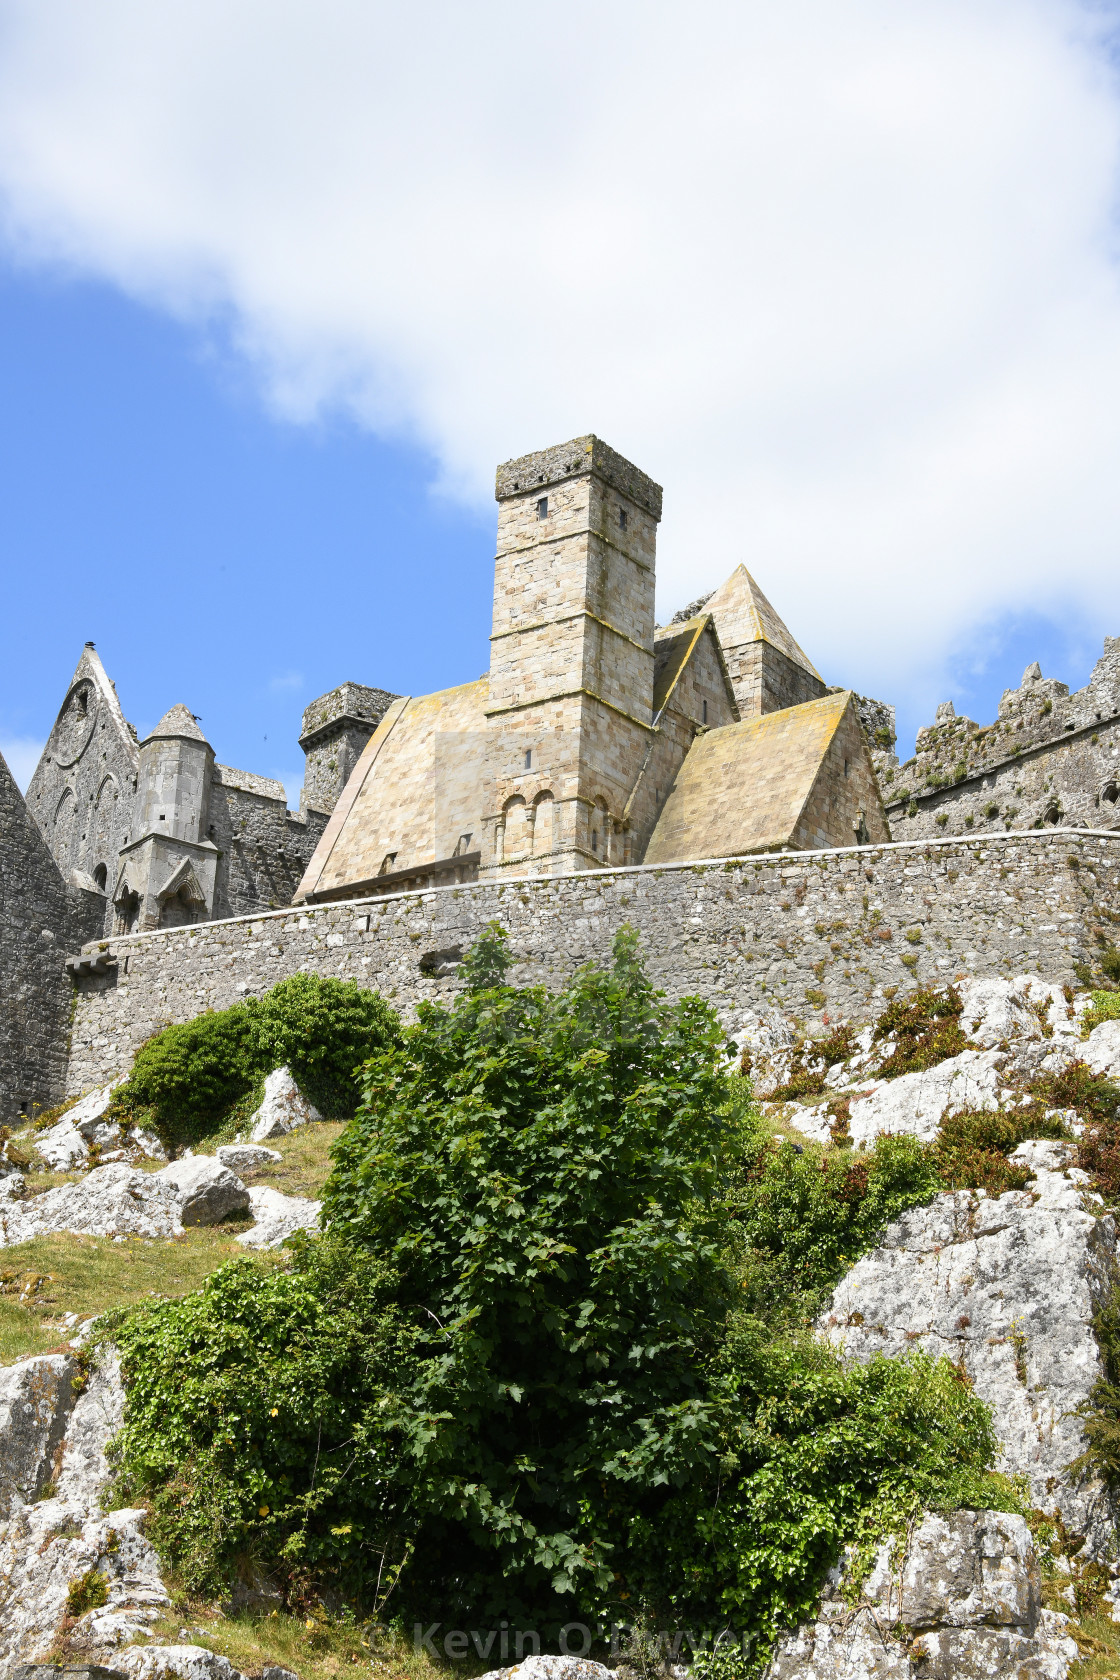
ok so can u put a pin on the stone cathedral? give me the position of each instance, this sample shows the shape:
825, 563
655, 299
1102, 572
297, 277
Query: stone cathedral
596, 739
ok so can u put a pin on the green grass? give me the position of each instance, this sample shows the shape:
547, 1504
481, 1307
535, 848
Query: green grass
42, 1279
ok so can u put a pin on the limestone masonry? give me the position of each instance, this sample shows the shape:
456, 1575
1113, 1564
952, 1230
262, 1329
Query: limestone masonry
596, 742
815, 935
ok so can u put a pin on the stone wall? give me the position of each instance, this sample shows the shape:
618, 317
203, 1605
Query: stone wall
265, 848
819, 934
1050, 758
43, 920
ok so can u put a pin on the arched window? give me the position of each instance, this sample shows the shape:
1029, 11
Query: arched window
101, 875
128, 911
544, 819
65, 824
518, 827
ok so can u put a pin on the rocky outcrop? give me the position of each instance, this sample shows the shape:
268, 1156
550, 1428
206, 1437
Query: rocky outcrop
246, 1157
111, 1201
1006, 1286
208, 1191
35, 1401
83, 1133
283, 1108
958, 1599
914, 1103
50, 1545
277, 1217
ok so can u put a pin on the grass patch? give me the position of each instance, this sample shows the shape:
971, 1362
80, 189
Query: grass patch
1106, 1007
306, 1163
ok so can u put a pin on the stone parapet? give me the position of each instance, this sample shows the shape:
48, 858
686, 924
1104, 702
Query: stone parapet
822, 935
572, 460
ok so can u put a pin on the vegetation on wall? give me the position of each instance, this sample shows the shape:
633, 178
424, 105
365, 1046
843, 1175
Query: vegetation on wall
551, 1360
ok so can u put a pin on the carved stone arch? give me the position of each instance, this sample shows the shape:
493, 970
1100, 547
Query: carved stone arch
544, 823
74, 726
64, 826
181, 900
1108, 792
517, 827
107, 792
126, 905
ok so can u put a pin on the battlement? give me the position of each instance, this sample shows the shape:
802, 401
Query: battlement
575, 459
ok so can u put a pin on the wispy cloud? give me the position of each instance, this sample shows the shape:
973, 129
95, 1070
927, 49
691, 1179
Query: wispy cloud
843, 277
21, 755
288, 682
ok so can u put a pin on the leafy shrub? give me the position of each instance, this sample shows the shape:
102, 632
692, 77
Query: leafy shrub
189, 1073
547, 1363
189, 1076
322, 1029
971, 1149
810, 1063
925, 1027
263, 1416
1105, 1007
89, 1592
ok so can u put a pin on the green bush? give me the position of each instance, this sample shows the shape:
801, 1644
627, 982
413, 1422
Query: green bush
1106, 1007
323, 1030
189, 1077
550, 1361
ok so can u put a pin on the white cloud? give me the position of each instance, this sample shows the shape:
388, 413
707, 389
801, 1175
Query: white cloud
843, 278
21, 754
286, 682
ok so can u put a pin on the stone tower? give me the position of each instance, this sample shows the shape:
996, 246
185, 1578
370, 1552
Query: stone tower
335, 729
768, 670
570, 705
167, 874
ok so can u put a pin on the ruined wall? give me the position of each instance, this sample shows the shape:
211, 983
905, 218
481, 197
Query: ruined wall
265, 848
816, 933
1051, 758
42, 922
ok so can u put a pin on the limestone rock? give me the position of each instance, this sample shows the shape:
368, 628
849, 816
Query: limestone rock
1008, 1286
277, 1217
244, 1157
996, 1011
966, 1594
552, 1668
48, 1545
62, 1146
185, 1662
114, 1200
914, 1103
1101, 1051
283, 1108
12, 1186
35, 1400
208, 1191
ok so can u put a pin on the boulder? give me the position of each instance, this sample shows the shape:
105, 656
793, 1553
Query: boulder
208, 1191
62, 1146
915, 1103
48, 1545
964, 1601
1101, 1050
1006, 1286
116, 1200
185, 1662
995, 1012
35, 1400
277, 1216
245, 1157
283, 1108
552, 1668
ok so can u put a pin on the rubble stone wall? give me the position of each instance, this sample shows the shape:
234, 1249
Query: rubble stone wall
821, 933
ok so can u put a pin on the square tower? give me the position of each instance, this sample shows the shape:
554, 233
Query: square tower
570, 706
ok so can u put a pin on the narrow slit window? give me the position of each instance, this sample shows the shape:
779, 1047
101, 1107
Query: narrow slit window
529, 759
594, 840
705, 711
623, 518
542, 507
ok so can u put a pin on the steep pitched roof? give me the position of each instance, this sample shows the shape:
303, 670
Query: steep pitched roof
178, 722
774, 781
674, 645
743, 614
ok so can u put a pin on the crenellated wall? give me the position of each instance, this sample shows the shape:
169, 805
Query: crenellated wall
820, 933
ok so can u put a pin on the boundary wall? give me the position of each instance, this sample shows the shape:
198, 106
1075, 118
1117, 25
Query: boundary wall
811, 933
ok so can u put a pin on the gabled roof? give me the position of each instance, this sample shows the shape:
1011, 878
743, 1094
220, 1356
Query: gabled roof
743, 614
179, 723
772, 782
673, 647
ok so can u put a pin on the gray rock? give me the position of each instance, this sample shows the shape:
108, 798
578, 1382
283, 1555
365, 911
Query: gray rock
208, 1191
35, 1400
1102, 1049
963, 1600
277, 1216
114, 1200
185, 1662
283, 1108
1008, 1286
914, 1103
244, 1157
46, 1546
62, 1146
552, 1668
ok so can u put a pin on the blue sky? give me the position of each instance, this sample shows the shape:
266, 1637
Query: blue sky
279, 285
214, 554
